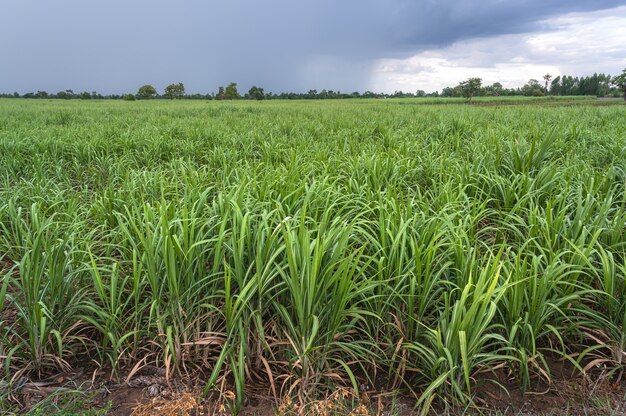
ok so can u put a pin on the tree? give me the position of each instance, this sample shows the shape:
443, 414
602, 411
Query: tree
147, 91
220, 93
569, 85
175, 91
546, 78
532, 88
256, 93
66, 95
555, 86
496, 89
231, 92
366, 94
470, 88
447, 92
620, 82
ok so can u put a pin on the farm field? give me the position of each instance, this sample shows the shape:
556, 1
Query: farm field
449, 253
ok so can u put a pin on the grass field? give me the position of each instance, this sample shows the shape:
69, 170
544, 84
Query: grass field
309, 245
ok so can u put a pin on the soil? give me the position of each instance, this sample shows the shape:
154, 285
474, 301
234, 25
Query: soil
9, 311
148, 393
122, 399
566, 393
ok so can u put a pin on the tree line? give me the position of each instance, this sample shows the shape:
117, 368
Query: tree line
601, 85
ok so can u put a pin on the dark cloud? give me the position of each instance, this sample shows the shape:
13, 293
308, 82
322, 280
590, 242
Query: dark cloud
432, 23
117, 45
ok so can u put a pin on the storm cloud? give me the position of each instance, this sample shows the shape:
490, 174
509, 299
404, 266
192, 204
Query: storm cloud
114, 46
431, 23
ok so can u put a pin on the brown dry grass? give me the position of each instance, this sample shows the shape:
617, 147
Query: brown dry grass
177, 405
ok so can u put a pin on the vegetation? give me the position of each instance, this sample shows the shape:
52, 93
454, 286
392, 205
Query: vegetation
231, 93
547, 78
620, 82
256, 93
146, 92
175, 91
596, 84
312, 245
599, 85
470, 88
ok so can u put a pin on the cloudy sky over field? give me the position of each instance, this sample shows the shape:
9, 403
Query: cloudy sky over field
115, 46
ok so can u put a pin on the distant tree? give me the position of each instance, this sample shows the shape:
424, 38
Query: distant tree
41, 94
256, 93
532, 89
470, 88
175, 91
555, 86
231, 92
220, 93
596, 84
546, 78
85, 95
496, 89
66, 95
128, 97
620, 82
569, 85
147, 91
200, 97
447, 92
420, 93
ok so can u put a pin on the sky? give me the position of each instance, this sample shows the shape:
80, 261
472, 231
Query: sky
115, 46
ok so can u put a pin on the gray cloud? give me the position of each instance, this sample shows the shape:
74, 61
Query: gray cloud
117, 45
432, 23
575, 44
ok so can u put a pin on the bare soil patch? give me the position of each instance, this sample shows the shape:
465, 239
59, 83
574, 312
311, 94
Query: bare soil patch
149, 393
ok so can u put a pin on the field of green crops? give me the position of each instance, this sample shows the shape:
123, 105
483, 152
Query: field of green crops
304, 246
